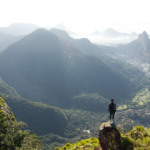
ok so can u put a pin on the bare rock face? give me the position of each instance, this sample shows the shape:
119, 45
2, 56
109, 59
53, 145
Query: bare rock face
109, 137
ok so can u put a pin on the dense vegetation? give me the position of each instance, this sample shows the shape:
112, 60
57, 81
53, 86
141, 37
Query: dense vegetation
138, 139
11, 135
71, 125
90, 144
40, 118
44, 118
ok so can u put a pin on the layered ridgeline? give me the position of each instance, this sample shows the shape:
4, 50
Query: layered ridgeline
137, 51
55, 126
11, 135
17, 29
109, 137
43, 67
40, 118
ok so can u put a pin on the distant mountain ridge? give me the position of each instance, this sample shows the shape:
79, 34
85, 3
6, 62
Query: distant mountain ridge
110, 32
111, 37
41, 118
138, 50
17, 29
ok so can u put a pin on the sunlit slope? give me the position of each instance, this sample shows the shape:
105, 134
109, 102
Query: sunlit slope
43, 67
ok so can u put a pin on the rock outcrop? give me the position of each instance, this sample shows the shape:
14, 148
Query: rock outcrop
5, 110
109, 137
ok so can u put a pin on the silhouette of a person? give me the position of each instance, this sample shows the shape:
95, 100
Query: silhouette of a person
112, 110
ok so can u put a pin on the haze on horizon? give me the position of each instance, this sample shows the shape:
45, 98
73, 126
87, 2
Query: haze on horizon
81, 16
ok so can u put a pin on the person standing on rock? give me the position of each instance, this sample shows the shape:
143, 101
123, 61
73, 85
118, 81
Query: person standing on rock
112, 110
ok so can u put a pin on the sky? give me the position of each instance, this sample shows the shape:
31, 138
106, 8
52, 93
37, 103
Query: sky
81, 16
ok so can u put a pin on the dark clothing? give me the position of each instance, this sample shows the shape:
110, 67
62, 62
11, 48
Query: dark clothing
112, 107
112, 110
112, 114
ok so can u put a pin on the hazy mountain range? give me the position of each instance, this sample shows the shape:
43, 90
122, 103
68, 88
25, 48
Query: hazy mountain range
60, 85
56, 70
18, 29
48, 63
137, 50
107, 37
111, 37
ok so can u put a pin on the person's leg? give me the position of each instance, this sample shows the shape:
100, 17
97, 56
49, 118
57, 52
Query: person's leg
110, 116
113, 116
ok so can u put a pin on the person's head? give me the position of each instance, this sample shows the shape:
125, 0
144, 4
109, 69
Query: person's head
112, 100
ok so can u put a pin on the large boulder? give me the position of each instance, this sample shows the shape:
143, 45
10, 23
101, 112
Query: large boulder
109, 137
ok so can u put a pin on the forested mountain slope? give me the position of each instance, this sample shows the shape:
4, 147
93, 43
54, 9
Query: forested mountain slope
42, 68
11, 134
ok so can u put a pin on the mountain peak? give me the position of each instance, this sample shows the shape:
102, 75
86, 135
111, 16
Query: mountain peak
144, 40
41, 34
61, 26
111, 32
17, 29
144, 36
60, 33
